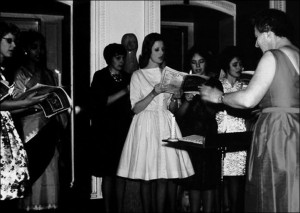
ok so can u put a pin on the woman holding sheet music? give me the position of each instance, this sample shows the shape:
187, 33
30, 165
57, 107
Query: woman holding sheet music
13, 159
145, 157
198, 117
40, 134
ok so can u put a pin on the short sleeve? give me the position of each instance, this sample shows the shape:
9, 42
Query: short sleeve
135, 88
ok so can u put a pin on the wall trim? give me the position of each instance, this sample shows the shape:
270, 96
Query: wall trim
278, 4
152, 17
222, 6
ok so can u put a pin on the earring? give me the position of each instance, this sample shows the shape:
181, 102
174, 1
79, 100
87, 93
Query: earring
25, 53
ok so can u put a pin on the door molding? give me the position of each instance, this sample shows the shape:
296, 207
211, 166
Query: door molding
223, 6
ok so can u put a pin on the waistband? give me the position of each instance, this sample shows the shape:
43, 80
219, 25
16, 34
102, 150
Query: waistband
281, 109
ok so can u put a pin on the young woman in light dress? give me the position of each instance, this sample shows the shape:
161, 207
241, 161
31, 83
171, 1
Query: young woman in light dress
145, 156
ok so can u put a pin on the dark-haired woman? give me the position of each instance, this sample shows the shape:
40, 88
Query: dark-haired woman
111, 117
144, 156
40, 134
14, 173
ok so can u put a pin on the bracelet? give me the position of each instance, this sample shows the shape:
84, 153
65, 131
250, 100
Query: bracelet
221, 98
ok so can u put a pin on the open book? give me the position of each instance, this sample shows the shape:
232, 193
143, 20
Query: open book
56, 102
172, 79
192, 82
178, 82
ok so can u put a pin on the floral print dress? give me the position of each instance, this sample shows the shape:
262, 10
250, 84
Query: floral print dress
234, 162
13, 160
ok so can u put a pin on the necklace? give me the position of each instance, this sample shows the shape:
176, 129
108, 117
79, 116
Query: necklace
116, 76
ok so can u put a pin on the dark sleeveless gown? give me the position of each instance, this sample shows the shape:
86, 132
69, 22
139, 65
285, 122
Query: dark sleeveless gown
273, 173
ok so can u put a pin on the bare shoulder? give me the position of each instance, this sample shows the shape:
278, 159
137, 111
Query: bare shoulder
293, 54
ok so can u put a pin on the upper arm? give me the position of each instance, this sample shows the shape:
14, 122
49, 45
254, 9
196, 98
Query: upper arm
261, 80
134, 89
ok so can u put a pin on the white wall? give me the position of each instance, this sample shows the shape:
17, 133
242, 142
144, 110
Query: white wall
110, 20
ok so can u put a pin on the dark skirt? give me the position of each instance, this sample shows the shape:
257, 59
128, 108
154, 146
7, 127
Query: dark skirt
207, 167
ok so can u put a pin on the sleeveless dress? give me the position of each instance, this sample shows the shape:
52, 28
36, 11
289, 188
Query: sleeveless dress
145, 156
273, 174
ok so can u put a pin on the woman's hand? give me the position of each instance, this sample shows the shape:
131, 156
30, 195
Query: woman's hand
158, 88
210, 94
32, 99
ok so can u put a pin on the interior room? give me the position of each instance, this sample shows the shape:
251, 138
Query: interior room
76, 33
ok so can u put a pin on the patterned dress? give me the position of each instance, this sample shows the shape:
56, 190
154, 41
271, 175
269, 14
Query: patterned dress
145, 156
234, 162
13, 160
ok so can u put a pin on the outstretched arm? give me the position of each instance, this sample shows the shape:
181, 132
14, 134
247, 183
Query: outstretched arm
255, 91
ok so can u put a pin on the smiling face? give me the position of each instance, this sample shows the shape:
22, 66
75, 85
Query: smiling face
7, 45
198, 64
157, 53
235, 67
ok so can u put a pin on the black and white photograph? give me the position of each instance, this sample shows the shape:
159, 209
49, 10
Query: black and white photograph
112, 132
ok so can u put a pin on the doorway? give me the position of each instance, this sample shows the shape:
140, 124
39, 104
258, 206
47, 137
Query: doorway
213, 27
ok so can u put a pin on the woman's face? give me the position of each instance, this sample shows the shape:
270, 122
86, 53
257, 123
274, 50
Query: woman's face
198, 64
235, 67
117, 62
157, 53
36, 51
7, 45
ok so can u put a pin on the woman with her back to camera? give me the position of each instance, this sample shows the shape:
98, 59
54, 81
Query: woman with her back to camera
272, 183
145, 157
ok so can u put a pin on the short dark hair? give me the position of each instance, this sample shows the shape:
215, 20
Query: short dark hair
227, 55
273, 20
148, 43
112, 50
6, 28
27, 38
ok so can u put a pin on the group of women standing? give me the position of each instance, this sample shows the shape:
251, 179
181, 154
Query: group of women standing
145, 158
29, 140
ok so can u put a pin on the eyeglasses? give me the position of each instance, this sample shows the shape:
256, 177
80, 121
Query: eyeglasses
9, 40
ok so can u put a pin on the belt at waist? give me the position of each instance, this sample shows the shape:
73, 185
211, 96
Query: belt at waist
281, 109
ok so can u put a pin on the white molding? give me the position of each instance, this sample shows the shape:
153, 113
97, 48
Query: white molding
278, 4
70, 3
96, 192
152, 17
42, 17
99, 32
222, 6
